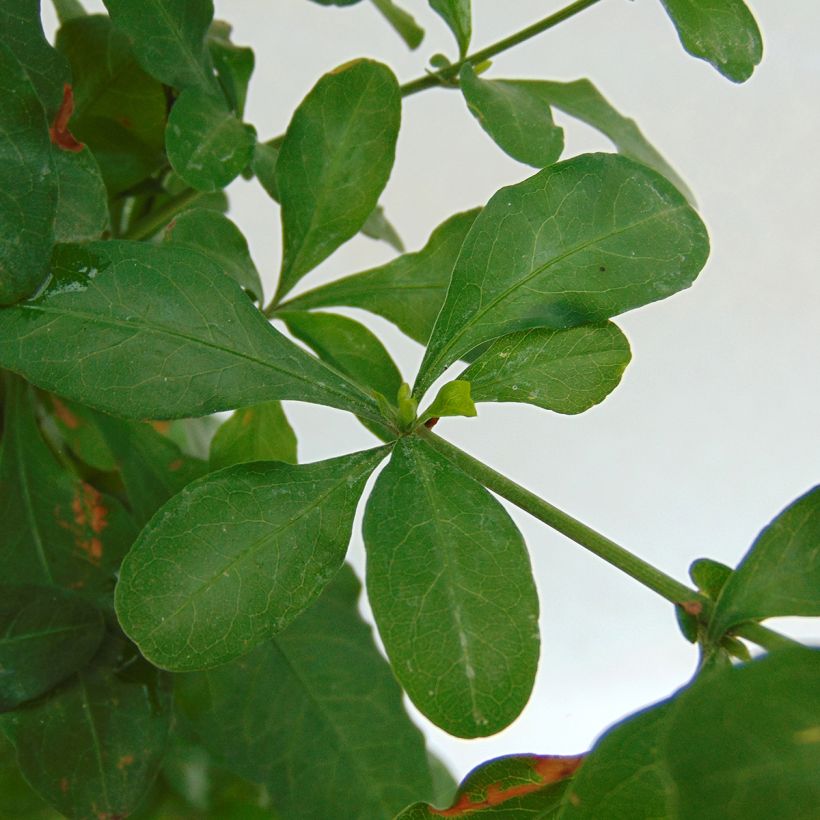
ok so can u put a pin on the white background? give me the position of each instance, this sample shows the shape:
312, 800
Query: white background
714, 428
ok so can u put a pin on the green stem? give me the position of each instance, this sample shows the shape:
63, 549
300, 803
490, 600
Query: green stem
146, 227
763, 636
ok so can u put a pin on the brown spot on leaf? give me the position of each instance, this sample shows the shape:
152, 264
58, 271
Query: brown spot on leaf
64, 785
60, 135
161, 426
88, 509
64, 414
247, 417
126, 122
175, 465
92, 547
431, 423
125, 761
693, 608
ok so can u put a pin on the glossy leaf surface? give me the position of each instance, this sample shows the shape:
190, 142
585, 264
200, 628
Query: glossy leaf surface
334, 162
449, 580
458, 16
316, 715
258, 433
577, 243
236, 556
567, 371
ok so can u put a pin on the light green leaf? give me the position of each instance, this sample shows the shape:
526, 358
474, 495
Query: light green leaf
402, 22
709, 576
377, 226
722, 32
234, 65
334, 162
168, 38
236, 556
82, 201
780, 575
323, 681
46, 634
28, 185
452, 400
409, 291
449, 580
151, 331
207, 145
94, 746
444, 784
215, 236
519, 121
459, 17
259, 433
577, 243
567, 371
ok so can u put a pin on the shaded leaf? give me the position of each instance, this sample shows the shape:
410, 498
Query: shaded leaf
402, 22
263, 164
334, 162
259, 433
444, 784
17, 798
234, 65
620, 236
459, 17
452, 400
449, 580
323, 681
567, 371
68, 10
236, 556
377, 226
78, 428
82, 200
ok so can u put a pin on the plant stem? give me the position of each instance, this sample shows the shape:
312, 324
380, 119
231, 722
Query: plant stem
763, 636
146, 227
446, 75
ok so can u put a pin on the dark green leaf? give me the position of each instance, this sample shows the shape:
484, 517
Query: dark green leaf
452, 400
316, 716
168, 38
263, 164
46, 634
408, 291
519, 121
94, 746
449, 580
724, 34
17, 799
56, 528
334, 162
82, 201
403, 23
567, 371
78, 428
27, 181
377, 226
214, 235
151, 331
234, 66
236, 556
459, 17
780, 575
68, 10
620, 236
709, 576
260, 433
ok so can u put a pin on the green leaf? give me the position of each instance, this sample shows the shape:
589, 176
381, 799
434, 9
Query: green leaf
724, 34
207, 145
582, 100
236, 556
259, 433
215, 236
639, 243
27, 181
334, 162
377, 226
709, 576
234, 65
444, 784
449, 580
780, 575
519, 121
263, 164
508, 788
567, 371
452, 400
46, 634
168, 38
17, 798
409, 291
94, 746
56, 528
119, 111
78, 428
323, 681
82, 201
68, 10
459, 17
402, 22
151, 331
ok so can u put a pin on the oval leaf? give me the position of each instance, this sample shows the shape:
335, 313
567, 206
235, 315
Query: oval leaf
258, 433
449, 580
577, 243
459, 17
236, 556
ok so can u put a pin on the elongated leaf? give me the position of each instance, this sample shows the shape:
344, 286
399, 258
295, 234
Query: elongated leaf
46, 634
519, 121
402, 22
234, 65
28, 186
459, 17
567, 371
322, 681
508, 788
577, 243
152, 331
409, 291
259, 433
780, 575
236, 556
449, 580
214, 235
93, 748
168, 38
378, 226
334, 162
722, 32
82, 201
207, 145
56, 528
